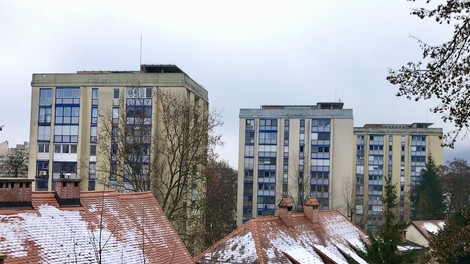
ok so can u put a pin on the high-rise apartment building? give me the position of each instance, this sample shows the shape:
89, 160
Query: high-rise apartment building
294, 151
396, 151
67, 119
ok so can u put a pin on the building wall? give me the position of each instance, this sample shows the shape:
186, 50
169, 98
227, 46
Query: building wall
398, 153
295, 151
106, 83
342, 184
413, 235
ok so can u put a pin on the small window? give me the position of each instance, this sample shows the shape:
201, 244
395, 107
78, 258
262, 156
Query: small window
116, 93
27, 185
73, 148
76, 184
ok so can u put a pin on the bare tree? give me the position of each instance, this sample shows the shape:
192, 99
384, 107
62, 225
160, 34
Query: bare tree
221, 201
16, 163
166, 155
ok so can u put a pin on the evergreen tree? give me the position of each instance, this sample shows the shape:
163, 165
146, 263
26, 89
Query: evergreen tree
429, 203
383, 246
451, 244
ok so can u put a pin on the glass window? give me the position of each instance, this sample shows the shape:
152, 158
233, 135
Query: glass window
92, 150
45, 96
43, 148
116, 93
44, 133
57, 148
44, 114
73, 148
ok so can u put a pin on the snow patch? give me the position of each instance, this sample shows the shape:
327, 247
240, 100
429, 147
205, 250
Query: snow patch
301, 255
431, 228
63, 236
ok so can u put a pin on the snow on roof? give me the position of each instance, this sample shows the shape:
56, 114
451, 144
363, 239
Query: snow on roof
272, 241
129, 228
351, 253
301, 255
334, 257
429, 227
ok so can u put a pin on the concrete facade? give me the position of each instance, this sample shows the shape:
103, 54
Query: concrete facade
68, 111
398, 152
296, 152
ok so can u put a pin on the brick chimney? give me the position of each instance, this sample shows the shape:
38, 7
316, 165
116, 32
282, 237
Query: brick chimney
67, 191
311, 209
285, 210
15, 193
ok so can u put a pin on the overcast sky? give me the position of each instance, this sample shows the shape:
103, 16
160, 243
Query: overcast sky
245, 53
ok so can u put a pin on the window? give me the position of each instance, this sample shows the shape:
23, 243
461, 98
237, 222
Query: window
94, 115
94, 96
92, 150
43, 148
45, 96
70, 95
66, 133
45, 114
67, 114
116, 93
65, 148
250, 124
44, 133
93, 136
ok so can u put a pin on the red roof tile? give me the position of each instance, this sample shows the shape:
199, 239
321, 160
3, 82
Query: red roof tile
428, 227
269, 240
132, 227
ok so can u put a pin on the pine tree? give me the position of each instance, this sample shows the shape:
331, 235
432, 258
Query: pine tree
383, 246
429, 203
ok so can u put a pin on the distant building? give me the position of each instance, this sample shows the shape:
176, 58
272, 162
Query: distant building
295, 151
312, 236
421, 231
68, 225
396, 151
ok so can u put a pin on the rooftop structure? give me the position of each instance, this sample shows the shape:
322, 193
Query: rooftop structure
421, 231
312, 236
297, 151
126, 228
395, 151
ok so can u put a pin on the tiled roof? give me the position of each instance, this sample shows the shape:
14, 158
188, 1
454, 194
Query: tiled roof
269, 240
428, 227
134, 229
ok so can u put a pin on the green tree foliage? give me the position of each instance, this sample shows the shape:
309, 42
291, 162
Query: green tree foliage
444, 71
452, 244
429, 204
383, 246
456, 184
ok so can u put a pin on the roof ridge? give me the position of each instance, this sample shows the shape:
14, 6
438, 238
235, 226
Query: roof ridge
258, 248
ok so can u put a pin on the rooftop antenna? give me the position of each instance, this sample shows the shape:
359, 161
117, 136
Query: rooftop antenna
140, 60
335, 95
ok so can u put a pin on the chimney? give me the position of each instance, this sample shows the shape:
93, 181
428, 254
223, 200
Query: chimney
403, 236
285, 210
15, 193
311, 209
67, 191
